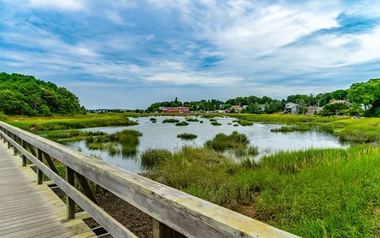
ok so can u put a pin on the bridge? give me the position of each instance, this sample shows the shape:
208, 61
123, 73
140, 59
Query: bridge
29, 208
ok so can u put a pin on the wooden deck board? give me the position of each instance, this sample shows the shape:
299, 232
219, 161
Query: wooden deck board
31, 210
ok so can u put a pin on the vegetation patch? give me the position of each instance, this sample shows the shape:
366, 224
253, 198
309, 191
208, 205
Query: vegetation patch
187, 136
215, 123
153, 119
151, 158
245, 123
36, 124
192, 119
182, 123
301, 128
311, 193
170, 120
221, 141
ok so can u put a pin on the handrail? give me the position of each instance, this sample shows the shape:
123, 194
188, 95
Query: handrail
169, 208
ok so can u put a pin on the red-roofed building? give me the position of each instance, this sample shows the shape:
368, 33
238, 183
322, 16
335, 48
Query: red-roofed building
176, 110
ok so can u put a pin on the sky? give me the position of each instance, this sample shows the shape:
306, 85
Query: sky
132, 53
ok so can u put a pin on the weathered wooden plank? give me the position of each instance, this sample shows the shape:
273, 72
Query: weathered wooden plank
108, 222
86, 188
26, 212
87, 234
64, 232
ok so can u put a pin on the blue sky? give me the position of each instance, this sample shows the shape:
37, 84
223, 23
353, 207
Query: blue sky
131, 53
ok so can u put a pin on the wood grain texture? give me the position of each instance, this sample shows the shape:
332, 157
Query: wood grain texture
28, 209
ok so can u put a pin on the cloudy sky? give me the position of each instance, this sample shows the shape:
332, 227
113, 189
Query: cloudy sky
131, 53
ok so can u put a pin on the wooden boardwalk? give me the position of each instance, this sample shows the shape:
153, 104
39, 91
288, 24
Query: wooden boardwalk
31, 210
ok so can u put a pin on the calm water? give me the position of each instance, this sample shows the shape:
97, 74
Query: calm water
159, 135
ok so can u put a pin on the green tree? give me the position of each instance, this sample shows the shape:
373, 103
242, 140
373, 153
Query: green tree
367, 94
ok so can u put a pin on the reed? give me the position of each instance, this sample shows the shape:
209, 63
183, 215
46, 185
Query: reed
311, 193
221, 141
182, 123
215, 123
170, 120
192, 119
187, 136
151, 158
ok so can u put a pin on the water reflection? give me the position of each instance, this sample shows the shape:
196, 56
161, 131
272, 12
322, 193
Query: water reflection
164, 136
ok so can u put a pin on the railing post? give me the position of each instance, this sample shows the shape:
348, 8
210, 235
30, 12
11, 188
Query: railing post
160, 230
39, 172
14, 147
23, 156
9, 142
70, 204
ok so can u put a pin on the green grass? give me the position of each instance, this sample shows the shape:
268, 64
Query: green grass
71, 122
187, 136
291, 128
170, 120
215, 123
245, 123
311, 193
182, 123
222, 142
192, 119
151, 158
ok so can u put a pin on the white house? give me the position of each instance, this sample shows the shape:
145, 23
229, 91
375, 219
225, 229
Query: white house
291, 108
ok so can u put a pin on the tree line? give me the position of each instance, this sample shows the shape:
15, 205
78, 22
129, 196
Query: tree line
26, 95
360, 99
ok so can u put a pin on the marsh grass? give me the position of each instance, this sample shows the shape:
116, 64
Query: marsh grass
170, 120
71, 122
300, 128
311, 193
215, 123
151, 158
253, 150
192, 119
187, 136
221, 141
182, 123
245, 123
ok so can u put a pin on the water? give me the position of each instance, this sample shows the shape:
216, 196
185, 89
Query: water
164, 136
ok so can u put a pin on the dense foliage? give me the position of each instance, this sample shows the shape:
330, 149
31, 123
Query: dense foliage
368, 95
361, 99
26, 95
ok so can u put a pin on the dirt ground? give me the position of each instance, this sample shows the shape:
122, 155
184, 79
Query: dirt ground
135, 220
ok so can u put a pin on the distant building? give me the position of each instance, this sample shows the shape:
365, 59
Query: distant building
291, 108
312, 110
176, 110
236, 108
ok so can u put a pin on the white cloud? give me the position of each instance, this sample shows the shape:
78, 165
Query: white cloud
71, 5
185, 78
113, 16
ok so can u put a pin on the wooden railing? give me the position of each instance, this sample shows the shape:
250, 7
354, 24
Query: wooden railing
174, 213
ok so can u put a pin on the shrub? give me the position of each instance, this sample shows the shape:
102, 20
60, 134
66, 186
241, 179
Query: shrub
170, 120
182, 123
187, 136
190, 119
215, 123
